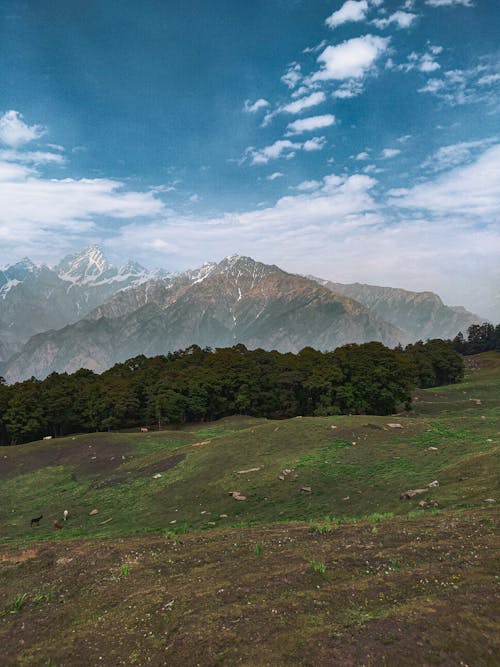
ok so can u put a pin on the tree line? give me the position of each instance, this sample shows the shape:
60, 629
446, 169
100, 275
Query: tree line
204, 384
480, 338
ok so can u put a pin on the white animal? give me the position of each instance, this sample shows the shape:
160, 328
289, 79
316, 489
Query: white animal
65, 514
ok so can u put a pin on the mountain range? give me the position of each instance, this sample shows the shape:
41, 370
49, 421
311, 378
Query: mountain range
85, 312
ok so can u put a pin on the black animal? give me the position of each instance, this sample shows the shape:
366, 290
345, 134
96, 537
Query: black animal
36, 520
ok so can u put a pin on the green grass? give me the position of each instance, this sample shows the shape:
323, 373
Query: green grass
173, 570
356, 470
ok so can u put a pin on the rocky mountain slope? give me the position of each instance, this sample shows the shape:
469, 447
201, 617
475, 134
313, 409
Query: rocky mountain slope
35, 298
238, 300
420, 315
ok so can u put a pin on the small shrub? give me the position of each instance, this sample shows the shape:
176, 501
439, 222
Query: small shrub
17, 604
125, 570
319, 568
259, 548
42, 597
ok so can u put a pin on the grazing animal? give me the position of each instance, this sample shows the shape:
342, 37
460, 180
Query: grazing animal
36, 520
65, 514
57, 524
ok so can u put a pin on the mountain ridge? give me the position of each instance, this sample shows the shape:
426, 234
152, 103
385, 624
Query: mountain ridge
118, 313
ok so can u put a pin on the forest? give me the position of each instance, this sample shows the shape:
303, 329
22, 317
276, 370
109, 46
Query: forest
204, 384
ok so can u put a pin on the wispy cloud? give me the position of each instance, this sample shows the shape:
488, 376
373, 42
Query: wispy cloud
388, 153
297, 106
400, 19
310, 124
470, 190
292, 76
449, 3
456, 154
465, 86
275, 175
282, 148
250, 107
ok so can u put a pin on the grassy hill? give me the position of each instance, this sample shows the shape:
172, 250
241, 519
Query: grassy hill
198, 569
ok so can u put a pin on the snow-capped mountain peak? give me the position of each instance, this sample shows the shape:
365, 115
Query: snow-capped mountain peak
88, 266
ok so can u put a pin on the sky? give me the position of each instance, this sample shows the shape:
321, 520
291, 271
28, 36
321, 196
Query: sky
354, 140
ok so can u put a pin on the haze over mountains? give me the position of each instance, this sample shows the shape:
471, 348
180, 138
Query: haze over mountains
87, 313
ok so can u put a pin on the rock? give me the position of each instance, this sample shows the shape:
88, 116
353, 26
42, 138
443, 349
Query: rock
432, 449
306, 489
157, 476
238, 497
223, 516
422, 503
411, 493
394, 425
346, 498
211, 523
282, 477
286, 471
489, 500
93, 512
433, 485
174, 521
200, 444
333, 426
243, 472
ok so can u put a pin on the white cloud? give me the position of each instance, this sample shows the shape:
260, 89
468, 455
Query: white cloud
15, 132
41, 213
463, 86
292, 76
302, 103
306, 186
471, 190
350, 88
389, 152
456, 154
400, 18
255, 106
314, 144
31, 157
281, 148
449, 3
488, 79
351, 10
351, 59
424, 62
362, 156
310, 124
274, 176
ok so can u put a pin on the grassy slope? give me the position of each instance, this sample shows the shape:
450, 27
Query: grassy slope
391, 582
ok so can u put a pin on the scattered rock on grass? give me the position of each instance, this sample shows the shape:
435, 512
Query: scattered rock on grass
489, 500
243, 472
237, 495
93, 512
306, 489
432, 449
200, 444
411, 493
433, 485
394, 425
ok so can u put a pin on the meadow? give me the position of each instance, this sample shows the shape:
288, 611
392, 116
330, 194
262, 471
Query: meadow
261, 542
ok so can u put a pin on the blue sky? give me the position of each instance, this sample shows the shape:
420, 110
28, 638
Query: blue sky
358, 140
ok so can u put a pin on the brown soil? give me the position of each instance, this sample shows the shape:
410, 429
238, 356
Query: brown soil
414, 592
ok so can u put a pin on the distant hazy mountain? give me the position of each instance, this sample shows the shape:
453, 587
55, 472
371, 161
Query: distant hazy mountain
35, 298
420, 315
87, 313
238, 300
